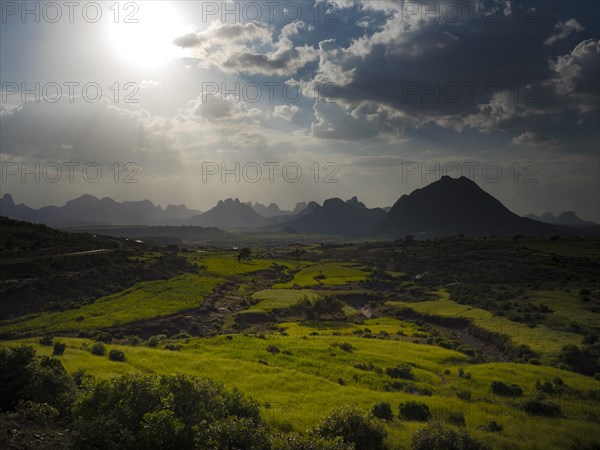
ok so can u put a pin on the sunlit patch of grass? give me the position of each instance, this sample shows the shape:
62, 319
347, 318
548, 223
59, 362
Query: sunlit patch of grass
332, 273
144, 300
309, 378
541, 339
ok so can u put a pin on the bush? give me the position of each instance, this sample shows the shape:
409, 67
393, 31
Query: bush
98, 349
403, 371
156, 412
506, 390
173, 347
414, 411
457, 418
354, 427
492, 427
273, 349
538, 407
153, 341
46, 340
382, 410
437, 437
233, 433
23, 376
464, 395
37, 412
296, 441
59, 348
116, 355
161, 429
345, 346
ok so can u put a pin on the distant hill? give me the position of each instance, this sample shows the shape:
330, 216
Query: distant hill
229, 213
336, 217
268, 211
567, 218
90, 210
451, 206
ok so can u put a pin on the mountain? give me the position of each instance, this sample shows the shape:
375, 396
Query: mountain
8, 208
90, 210
451, 206
229, 214
300, 206
336, 217
567, 218
268, 211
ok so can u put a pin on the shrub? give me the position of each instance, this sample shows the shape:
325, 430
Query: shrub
345, 346
414, 411
492, 427
538, 407
59, 348
464, 395
98, 349
402, 371
153, 341
354, 427
273, 349
437, 437
23, 376
382, 410
151, 411
46, 340
296, 441
457, 418
506, 390
37, 412
116, 355
161, 429
233, 433
173, 347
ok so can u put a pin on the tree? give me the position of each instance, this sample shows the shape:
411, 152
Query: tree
354, 427
244, 253
414, 411
23, 376
59, 348
382, 410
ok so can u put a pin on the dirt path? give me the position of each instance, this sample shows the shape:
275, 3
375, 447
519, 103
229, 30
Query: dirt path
224, 301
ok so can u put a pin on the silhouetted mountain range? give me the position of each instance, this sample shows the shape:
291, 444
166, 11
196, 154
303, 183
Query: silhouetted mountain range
229, 214
449, 206
565, 218
89, 210
336, 217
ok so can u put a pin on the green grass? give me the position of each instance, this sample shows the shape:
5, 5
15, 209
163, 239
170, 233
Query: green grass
335, 273
271, 299
566, 308
299, 388
541, 339
144, 300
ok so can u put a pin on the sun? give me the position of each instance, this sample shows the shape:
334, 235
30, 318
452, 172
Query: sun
143, 32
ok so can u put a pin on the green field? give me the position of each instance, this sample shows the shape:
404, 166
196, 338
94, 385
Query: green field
298, 388
333, 273
144, 300
541, 339
270, 299
566, 308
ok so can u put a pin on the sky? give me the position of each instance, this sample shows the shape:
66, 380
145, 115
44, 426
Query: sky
192, 102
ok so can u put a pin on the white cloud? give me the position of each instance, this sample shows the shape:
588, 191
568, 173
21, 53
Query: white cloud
562, 30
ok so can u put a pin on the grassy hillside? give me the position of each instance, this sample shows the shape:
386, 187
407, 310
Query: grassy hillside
309, 377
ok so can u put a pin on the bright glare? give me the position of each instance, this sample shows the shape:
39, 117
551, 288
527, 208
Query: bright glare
149, 42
